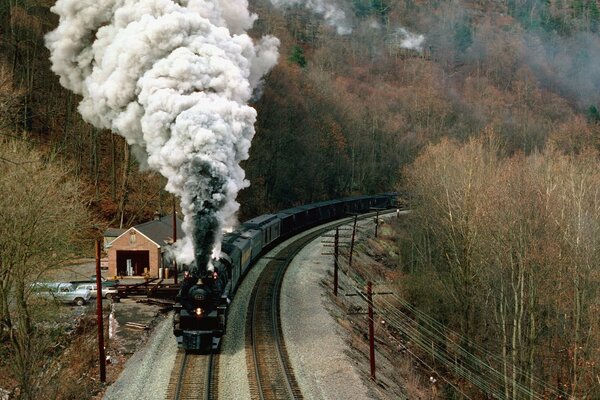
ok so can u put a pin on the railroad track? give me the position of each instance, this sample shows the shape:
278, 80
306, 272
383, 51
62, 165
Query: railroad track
193, 377
271, 375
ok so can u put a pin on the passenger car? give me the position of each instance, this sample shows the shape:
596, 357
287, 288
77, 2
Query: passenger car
108, 291
63, 292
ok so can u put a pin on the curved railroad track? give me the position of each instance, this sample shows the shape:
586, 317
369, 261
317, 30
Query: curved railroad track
270, 373
194, 376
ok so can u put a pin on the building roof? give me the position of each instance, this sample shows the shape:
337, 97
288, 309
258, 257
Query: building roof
114, 232
160, 231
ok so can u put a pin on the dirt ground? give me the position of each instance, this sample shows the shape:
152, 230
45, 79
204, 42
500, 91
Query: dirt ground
127, 326
125, 318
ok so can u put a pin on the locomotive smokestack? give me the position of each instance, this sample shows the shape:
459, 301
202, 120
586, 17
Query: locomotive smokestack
173, 78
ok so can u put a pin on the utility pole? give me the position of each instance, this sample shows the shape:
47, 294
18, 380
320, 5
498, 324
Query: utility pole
377, 210
352, 243
371, 329
368, 297
174, 239
101, 353
335, 260
336, 253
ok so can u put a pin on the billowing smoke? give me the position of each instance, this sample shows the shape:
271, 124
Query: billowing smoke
331, 12
174, 78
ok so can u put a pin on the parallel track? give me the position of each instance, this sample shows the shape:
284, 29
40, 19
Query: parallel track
193, 377
270, 375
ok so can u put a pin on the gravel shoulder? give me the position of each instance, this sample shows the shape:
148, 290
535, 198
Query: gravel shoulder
146, 374
315, 342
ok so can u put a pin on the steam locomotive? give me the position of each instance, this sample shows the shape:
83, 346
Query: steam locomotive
200, 315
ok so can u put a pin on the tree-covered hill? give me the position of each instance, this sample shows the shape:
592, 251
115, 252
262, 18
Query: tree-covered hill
342, 112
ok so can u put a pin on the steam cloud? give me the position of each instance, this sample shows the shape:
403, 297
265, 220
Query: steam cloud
173, 78
331, 13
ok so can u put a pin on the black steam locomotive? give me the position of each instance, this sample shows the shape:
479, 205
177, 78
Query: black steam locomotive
200, 316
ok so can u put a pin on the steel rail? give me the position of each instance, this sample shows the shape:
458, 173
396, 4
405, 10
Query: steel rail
193, 377
269, 381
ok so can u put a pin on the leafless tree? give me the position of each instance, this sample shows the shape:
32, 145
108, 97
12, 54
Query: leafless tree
42, 220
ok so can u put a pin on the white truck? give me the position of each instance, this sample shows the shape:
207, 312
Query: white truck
63, 292
108, 292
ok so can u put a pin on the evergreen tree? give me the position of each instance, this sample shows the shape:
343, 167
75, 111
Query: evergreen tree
297, 56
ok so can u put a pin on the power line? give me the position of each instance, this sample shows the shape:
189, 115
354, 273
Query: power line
433, 338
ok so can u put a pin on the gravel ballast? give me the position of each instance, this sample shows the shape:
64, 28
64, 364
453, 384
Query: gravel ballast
146, 374
314, 341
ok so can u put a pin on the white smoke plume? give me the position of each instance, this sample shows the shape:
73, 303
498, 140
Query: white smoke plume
407, 40
174, 78
333, 15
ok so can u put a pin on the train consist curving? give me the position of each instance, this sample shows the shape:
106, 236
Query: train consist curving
200, 316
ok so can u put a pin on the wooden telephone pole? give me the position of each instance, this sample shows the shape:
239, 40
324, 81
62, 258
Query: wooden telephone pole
101, 353
174, 239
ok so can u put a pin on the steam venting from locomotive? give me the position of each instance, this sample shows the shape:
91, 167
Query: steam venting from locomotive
173, 77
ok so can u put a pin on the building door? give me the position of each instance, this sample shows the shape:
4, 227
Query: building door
132, 262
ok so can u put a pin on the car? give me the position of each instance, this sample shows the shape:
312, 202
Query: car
105, 282
63, 292
108, 291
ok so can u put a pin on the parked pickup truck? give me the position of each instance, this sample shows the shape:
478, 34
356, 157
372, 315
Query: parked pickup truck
64, 292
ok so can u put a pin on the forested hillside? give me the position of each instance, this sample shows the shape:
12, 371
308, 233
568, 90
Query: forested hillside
342, 113
489, 121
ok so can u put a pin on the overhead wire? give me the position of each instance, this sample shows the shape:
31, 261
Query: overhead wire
439, 355
441, 329
492, 381
432, 338
420, 360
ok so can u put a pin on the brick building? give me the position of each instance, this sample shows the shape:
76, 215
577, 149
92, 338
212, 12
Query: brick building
142, 248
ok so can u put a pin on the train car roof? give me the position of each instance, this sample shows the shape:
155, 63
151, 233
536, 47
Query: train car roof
354, 198
291, 211
241, 241
251, 233
309, 207
323, 203
261, 220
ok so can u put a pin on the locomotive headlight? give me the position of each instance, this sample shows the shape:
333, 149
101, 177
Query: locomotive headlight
199, 311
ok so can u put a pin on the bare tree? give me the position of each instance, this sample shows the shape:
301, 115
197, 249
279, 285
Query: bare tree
41, 222
514, 242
